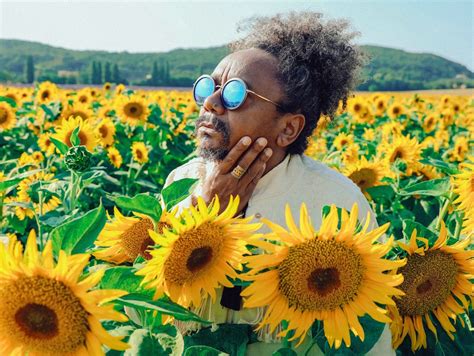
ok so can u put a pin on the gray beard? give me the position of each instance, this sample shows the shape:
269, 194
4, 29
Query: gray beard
214, 154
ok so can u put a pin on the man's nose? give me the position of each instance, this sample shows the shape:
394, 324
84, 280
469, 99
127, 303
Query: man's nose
213, 103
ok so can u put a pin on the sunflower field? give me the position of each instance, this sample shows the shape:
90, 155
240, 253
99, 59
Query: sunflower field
96, 259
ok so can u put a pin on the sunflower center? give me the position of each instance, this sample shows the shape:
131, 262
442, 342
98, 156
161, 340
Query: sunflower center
357, 107
320, 275
324, 280
136, 239
83, 99
364, 178
398, 153
193, 252
3, 115
80, 114
199, 258
139, 154
103, 130
428, 281
37, 320
43, 314
45, 94
133, 110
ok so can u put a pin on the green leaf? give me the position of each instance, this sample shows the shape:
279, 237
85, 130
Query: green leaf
372, 329
230, 338
177, 191
47, 110
61, 146
381, 192
433, 187
200, 350
124, 278
10, 101
79, 234
144, 343
410, 225
4, 185
140, 203
75, 141
284, 352
443, 166
164, 306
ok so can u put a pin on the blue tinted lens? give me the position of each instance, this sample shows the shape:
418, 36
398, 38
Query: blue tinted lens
203, 88
233, 94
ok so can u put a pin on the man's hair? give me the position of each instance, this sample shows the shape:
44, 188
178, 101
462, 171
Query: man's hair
318, 64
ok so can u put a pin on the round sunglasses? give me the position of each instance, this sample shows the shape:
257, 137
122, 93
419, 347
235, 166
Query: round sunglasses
233, 93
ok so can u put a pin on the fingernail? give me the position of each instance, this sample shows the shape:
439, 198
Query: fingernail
268, 152
246, 140
262, 141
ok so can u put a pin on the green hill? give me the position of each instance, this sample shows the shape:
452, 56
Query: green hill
389, 69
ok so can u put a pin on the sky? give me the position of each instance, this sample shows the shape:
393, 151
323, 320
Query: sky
444, 28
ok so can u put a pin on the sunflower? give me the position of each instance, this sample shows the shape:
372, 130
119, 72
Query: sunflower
107, 86
105, 131
7, 116
81, 110
436, 284
380, 105
133, 109
357, 106
140, 152
198, 253
45, 144
460, 149
365, 174
47, 92
369, 134
126, 238
429, 123
84, 96
28, 191
342, 140
402, 148
395, 110
86, 133
463, 186
47, 309
334, 275
115, 157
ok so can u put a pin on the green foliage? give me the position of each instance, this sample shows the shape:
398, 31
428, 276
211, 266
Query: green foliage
388, 69
78, 235
140, 203
177, 191
229, 338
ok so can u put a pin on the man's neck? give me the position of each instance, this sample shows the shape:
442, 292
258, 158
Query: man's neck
274, 161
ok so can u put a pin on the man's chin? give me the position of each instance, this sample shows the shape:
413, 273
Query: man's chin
212, 154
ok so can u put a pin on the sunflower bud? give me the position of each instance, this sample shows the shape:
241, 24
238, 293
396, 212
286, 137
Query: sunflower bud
78, 159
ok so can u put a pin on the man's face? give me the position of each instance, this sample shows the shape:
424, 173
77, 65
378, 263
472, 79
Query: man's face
219, 129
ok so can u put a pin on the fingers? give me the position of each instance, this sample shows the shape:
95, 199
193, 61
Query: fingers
252, 153
256, 170
230, 161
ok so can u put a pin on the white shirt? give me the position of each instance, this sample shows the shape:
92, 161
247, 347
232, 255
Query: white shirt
295, 180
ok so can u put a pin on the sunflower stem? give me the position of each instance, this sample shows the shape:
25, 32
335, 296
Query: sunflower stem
444, 210
457, 230
129, 175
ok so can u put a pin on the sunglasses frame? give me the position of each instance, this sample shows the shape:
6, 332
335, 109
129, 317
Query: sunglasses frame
247, 90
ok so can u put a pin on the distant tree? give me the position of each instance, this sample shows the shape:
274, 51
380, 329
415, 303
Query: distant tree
167, 77
30, 70
100, 79
155, 75
93, 73
107, 72
116, 74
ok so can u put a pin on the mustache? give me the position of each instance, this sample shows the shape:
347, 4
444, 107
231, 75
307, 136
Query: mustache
219, 125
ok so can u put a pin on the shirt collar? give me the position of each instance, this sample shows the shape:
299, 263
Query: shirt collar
279, 179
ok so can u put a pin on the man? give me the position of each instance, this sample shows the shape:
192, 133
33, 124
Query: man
259, 107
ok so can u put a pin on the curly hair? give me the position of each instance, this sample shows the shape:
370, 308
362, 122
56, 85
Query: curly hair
318, 66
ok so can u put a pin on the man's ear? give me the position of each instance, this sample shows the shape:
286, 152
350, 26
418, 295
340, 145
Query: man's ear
291, 126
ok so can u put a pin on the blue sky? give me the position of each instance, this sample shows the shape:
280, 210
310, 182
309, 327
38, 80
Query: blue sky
441, 27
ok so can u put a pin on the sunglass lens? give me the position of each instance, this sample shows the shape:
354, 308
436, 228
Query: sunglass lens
203, 88
233, 94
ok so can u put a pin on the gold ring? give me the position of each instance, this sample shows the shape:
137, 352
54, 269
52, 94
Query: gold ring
238, 172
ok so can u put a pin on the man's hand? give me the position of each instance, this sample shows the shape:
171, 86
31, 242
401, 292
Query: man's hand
252, 158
